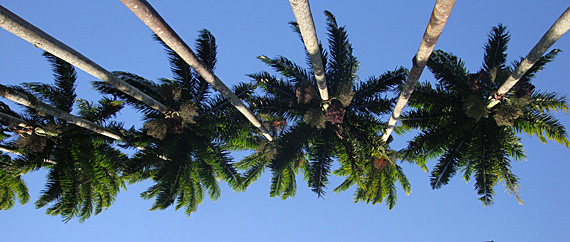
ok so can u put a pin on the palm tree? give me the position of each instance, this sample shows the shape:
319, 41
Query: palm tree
84, 172
348, 130
458, 129
193, 141
437, 22
38, 38
152, 19
302, 11
559, 28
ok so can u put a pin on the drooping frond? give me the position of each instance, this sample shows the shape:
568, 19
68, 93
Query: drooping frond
207, 49
13, 188
320, 165
62, 93
447, 165
547, 102
544, 126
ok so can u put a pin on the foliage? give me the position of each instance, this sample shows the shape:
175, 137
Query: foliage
186, 150
457, 128
345, 128
83, 167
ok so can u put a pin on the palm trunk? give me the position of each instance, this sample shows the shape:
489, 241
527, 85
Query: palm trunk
13, 121
438, 19
152, 19
38, 38
30, 102
8, 150
304, 18
559, 28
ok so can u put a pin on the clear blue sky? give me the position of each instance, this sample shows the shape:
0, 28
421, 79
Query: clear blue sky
385, 35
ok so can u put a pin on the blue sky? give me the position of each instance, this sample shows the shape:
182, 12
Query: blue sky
384, 35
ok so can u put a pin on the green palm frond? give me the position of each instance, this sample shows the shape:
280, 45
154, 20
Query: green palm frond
254, 165
181, 71
547, 102
207, 49
449, 70
13, 188
380, 84
283, 183
537, 67
287, 68
342, 65
495, 57
274, 86
104, 110
62, 94
148, 87
447, 165
290, 146
380, 185
544, 126
485, 182
320, 165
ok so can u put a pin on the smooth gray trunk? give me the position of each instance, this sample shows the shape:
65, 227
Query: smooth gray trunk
152, 19
8, 150
559, 28
40, 39
439, 16
304, 18
30, 102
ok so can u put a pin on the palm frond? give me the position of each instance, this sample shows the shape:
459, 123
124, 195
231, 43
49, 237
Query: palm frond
495, 57
544, 126
342, 66
287, 68
150, 88
449, 70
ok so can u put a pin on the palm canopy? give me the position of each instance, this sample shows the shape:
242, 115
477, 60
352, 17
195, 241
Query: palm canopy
347, 130
458, 129
185, 151
83, 168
